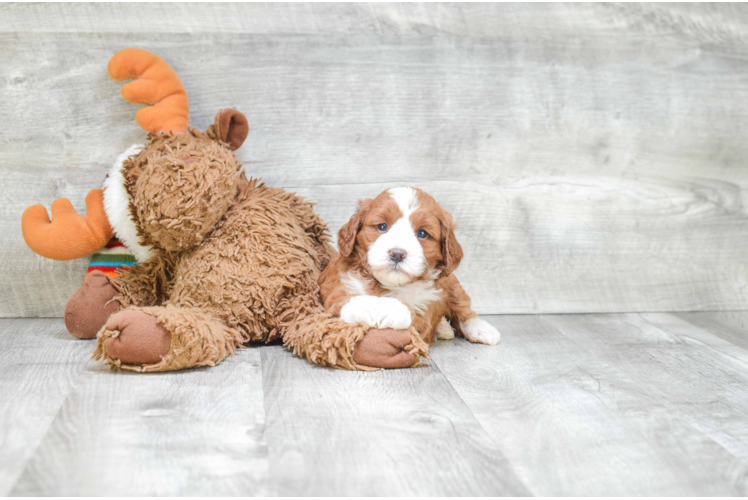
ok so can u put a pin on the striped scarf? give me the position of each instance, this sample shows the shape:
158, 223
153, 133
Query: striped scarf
112, 259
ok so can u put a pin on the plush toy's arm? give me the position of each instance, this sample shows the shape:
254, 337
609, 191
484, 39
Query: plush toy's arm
314, 226
146, 283
68, 235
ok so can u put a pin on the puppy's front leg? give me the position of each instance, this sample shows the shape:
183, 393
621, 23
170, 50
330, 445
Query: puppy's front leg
464, 318
377, 312
370, 310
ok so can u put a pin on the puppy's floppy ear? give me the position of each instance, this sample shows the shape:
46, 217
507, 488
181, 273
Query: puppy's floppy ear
451, 248
347, 233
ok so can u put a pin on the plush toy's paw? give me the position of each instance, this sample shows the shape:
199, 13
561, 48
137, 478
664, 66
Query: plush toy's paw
376, 312
444, 330
90, 306
140, 339
480, 331
385, 349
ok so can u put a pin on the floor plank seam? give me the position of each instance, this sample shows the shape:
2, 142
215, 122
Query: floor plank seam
700, 342
495, 445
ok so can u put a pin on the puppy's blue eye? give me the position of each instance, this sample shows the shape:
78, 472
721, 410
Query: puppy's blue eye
422, 234
382, 227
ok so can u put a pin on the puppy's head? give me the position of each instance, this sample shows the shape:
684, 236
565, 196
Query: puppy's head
400, 236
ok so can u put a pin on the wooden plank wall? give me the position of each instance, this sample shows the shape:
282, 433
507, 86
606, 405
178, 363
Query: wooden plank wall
593, 154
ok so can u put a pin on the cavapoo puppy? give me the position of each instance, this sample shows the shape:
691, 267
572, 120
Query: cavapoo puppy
395, 269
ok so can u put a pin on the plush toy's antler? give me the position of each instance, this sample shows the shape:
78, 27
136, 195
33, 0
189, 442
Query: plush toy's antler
157, 85
69, 235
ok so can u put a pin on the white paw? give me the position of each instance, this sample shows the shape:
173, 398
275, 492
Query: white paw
444, 330
376, 312
480, 331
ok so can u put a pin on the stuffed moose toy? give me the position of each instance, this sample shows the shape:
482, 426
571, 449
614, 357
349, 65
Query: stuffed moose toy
222, 260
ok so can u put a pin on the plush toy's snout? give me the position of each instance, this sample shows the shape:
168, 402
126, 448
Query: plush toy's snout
179, 198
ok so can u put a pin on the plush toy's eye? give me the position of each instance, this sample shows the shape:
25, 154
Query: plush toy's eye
422, 233
382, 227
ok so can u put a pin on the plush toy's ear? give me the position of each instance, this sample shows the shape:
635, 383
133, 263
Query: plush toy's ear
233, 127
69, 235
156, 84
349, 231
451, 248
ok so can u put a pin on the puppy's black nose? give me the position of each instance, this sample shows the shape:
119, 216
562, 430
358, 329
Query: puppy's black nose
397, 255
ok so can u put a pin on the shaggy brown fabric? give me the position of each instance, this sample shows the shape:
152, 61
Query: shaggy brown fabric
258, 268
325, 340
90, 306
146, 283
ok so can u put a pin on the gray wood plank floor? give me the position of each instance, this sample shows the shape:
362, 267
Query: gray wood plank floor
612, 404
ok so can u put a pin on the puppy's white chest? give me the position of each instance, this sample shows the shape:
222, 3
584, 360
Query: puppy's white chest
417, 295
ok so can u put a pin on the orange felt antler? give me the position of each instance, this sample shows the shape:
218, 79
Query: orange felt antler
157, 85
69, 235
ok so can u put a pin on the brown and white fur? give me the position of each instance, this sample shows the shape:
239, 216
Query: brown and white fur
395, 270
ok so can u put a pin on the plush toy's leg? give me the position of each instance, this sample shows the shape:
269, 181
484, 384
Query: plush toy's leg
327, 340
165, 338
90, 306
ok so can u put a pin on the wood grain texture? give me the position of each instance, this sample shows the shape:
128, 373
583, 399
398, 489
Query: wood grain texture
386, 433
593, 154
608, 404
196, 432
716, 24
39, 363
